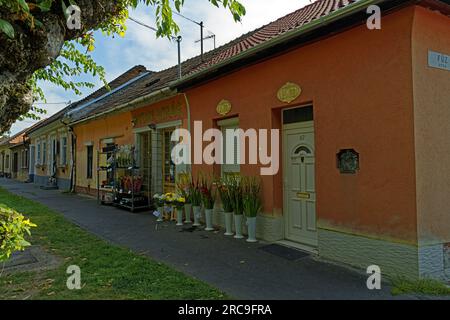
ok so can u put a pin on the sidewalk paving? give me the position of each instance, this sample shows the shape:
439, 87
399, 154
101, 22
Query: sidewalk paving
234, 266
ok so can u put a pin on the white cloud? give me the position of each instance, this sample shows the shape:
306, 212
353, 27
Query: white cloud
140, 45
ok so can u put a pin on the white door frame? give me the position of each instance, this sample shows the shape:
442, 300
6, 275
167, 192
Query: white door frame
307, 126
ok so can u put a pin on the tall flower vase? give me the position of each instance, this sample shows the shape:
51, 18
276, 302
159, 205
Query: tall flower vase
229, 223
187, 210
179, 216
197, 216
208, 218
251, 225
161, 214
238, 226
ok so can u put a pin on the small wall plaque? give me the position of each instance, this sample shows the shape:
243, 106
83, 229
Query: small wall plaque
348, 161
224, 107
438, 60
289, 92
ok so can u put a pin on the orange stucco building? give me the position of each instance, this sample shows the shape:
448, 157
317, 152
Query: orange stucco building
363, 119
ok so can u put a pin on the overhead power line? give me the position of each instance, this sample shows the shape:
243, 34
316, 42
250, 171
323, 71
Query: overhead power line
177, 39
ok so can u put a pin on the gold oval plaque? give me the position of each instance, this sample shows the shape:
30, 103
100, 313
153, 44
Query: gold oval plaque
224, 107
289, 92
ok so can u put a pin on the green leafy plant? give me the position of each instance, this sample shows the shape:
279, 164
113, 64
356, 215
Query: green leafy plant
251, 196
13, 229
23, 22
223, 188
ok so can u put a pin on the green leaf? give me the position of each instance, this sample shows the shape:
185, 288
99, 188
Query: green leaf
7, 28
45, 5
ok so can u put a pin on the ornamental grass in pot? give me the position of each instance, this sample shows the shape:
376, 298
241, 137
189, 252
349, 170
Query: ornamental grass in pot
184, 187
251, 198
196, 201
208, 201
223, 188
237, 201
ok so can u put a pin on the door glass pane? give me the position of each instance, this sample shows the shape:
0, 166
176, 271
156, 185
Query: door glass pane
302, 114
169, 168
145, 161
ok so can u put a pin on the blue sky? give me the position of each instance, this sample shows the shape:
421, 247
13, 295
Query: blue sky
140, 45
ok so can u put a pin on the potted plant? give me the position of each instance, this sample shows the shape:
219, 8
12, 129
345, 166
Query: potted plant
159, 202
169, 199
185, 188
208, 201
223, 188
179, 203
238, 210
251, 190
196, 200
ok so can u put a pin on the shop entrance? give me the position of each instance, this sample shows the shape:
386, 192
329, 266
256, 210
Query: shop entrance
299, 176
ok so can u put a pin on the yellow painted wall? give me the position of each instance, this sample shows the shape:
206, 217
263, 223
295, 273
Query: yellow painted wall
43, 169
94, 132
431, 31
5, 151
22, 171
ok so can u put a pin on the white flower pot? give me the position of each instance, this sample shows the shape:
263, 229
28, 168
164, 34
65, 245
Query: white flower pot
251, 227
229, 223
197, 216
208, 216
161, 214
187, 211
179, 216
238, 226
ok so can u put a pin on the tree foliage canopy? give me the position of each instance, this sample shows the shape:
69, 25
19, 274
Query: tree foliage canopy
36, 44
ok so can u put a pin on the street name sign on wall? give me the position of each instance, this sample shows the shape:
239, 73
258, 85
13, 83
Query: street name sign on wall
438, 60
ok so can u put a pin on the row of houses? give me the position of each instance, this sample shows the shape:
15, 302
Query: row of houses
364, 118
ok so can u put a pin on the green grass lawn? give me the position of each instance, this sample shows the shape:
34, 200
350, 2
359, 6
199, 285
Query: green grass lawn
107, 271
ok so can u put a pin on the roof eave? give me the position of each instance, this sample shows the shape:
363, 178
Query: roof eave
153, 97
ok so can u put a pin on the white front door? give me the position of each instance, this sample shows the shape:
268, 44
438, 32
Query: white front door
299, 183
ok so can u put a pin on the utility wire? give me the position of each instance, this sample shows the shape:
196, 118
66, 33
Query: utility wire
184, 17
143, 24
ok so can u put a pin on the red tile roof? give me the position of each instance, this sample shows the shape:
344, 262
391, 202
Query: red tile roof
299, 18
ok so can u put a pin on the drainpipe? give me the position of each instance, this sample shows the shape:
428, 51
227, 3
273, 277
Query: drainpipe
73, 167
73, 161
188, 109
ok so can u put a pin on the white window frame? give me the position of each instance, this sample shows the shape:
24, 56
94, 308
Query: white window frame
44, 153
63, 150
232, 123
38, 152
